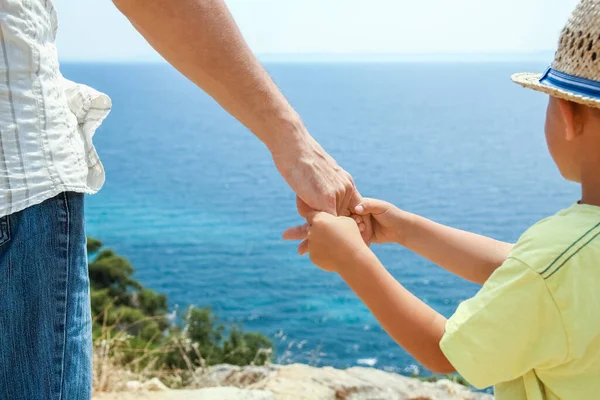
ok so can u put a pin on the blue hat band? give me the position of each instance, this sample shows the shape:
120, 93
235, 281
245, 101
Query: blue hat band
571, 83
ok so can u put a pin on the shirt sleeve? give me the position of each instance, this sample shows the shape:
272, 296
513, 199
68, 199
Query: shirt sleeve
509, 328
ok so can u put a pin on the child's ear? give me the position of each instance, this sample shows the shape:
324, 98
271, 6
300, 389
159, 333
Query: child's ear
571, 118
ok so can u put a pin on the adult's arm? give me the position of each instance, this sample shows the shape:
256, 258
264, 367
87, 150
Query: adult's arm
200, 39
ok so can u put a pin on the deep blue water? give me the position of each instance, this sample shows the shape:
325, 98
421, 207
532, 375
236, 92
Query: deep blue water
193, 200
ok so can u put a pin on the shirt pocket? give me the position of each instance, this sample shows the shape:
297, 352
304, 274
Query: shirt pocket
4, 230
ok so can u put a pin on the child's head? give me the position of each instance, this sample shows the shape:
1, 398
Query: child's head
573, 82
573, 136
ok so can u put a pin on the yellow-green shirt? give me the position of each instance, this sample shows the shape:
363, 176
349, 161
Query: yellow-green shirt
533, 330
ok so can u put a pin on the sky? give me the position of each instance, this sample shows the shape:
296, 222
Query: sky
94, 30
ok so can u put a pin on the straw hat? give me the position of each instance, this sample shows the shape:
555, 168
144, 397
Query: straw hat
575, 72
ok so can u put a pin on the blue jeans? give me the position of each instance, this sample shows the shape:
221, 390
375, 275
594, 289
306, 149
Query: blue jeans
45, 321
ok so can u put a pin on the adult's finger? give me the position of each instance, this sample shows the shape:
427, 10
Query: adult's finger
310, 217
350, 192
296, 233
303, 248
303, 208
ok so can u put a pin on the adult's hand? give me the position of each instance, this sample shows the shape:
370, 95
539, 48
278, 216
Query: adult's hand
319, 182
315, 176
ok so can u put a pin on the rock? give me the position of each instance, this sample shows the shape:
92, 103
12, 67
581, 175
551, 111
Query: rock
223, 393
301, 382
133, 386
154, 385
230, 393
230, 375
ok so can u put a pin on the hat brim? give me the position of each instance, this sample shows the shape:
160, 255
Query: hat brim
532, 81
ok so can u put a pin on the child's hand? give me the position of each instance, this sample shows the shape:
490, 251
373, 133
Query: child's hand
333, 242
387, 220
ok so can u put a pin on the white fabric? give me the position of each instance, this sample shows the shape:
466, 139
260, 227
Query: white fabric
46, 122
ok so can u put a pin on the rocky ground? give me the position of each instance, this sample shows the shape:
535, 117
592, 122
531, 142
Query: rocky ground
298, 382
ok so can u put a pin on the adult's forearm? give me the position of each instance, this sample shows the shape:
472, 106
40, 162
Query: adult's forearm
411, 323
201, 39
471, 256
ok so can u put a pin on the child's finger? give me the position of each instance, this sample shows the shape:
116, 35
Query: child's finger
362, 227
296, 233
371, 206
358, 219
303, 248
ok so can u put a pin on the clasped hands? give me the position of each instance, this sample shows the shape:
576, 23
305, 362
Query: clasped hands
340, 223
337, 242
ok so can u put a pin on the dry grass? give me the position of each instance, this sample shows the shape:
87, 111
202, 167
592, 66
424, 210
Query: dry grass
116, 362
114, 366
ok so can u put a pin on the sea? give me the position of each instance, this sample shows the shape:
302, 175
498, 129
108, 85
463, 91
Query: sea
193, 200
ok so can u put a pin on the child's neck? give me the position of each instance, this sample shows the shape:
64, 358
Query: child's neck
590, 189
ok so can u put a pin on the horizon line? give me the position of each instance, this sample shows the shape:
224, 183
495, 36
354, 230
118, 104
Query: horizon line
538, 56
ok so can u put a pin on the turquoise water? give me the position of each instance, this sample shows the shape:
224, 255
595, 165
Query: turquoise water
196, 204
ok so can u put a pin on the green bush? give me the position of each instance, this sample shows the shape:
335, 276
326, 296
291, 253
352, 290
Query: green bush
123, 308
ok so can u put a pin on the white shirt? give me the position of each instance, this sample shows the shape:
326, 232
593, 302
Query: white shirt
46, 121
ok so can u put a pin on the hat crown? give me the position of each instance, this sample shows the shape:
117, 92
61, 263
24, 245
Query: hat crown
579, 45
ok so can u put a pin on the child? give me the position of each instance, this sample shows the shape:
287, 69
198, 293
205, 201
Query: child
533, 330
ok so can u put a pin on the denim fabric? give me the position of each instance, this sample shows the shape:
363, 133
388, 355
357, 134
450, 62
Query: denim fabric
45, 321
